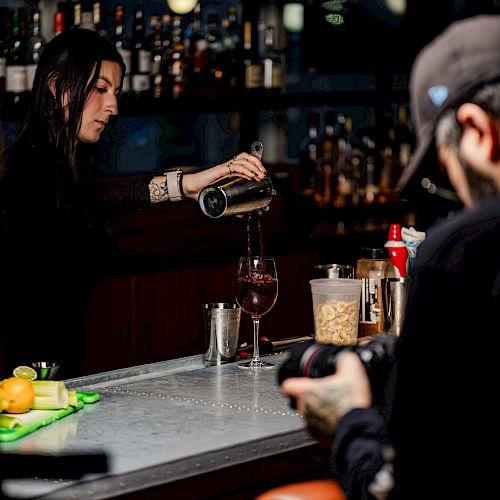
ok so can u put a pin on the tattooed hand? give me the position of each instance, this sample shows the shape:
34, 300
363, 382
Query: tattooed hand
323, 401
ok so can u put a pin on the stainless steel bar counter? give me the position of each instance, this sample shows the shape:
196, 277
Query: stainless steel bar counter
163, 423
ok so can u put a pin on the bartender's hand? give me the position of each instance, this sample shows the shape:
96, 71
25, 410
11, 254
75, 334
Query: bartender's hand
323, 401
242, 165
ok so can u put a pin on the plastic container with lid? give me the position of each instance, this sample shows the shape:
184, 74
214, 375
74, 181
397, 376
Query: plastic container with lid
336, 310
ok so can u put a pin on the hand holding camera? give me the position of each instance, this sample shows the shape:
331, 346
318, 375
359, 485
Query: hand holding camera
323, 394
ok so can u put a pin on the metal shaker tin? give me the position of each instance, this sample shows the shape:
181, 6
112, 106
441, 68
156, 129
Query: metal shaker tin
236, 196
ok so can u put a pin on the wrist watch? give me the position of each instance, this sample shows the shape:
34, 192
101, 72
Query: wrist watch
173, 184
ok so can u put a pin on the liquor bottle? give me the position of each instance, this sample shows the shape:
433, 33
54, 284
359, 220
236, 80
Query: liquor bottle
177, 64
16, 62
215, 67
253, 67
326, 167
232, 47
141, 56
195, 49
86, 15
67, 9
309, 155
343, 162
156, 56
99, 19
404, 137
59, 21
122, 44
77, 15
34, 49
272, 66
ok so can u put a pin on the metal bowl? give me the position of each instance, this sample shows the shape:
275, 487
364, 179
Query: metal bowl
45, 370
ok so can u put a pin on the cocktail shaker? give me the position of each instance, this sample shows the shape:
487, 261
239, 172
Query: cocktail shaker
237, 195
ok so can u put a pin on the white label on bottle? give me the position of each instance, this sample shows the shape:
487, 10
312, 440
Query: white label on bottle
369, 310
144, 61
15, 79
3, 62
268, 73
141, 83
30, 76
126, 56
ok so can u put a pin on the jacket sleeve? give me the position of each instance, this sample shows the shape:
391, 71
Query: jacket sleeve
360, 459
106, 192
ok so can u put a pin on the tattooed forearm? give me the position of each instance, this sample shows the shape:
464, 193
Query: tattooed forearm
158, 190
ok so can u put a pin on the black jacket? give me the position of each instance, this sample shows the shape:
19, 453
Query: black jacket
53, 250
447, 377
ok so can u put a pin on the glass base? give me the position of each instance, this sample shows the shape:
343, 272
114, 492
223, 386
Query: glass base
256, 365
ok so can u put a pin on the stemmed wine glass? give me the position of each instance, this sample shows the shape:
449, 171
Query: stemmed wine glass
256, 293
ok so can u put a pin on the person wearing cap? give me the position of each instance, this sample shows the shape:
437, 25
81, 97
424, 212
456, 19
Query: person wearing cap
434, 443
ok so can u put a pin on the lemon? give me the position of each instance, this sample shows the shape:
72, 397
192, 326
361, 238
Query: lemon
19, 394
25, 372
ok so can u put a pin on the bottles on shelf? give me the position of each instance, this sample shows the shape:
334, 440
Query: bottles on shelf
350, 170
167, 55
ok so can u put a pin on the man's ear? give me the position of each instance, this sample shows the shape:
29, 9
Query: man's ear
481, 134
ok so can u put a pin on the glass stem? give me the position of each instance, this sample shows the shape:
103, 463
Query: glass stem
256, 356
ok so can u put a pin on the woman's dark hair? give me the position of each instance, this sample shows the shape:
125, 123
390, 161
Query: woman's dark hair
69, 66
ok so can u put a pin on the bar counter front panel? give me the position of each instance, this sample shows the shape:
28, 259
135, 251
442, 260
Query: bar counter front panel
162, 423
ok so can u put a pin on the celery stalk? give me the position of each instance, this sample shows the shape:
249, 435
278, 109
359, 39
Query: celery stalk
72, 398
50, 395
7, 422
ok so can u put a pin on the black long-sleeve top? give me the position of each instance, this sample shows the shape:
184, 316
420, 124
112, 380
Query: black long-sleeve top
53, 250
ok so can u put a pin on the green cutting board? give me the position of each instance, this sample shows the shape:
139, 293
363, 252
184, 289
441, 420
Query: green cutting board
35, 419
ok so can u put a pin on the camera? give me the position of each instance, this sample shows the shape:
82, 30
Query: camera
316, 360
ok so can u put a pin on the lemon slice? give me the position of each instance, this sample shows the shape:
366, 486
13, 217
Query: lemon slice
25, 372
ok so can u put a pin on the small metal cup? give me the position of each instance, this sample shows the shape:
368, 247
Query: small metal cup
45, 370
221, 324
334, 271
394, 295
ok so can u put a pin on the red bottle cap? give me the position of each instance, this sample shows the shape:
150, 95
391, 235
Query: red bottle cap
395, 233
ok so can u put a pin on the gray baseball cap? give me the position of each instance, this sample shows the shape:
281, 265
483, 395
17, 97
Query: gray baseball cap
463, 57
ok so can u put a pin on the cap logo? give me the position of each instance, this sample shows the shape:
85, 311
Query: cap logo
438, 94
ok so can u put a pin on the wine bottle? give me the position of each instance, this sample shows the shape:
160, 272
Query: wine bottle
216, 70
34, 49
253, 67
177, 64
16, 62
122, 44
86, 15
232, 46
309, 155
59, 21
141, 56
272, 66
99, 19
